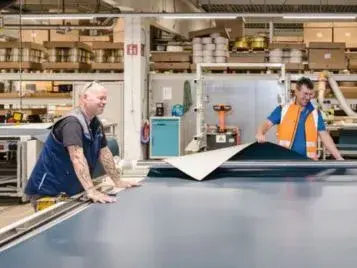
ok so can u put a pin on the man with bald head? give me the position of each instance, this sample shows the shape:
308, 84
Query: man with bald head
72, 149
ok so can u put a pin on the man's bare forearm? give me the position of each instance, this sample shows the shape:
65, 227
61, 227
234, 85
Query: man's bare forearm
330, 145
106, 158
264, 127
80, 165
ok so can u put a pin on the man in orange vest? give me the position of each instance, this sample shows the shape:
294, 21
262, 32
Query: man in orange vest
299, 124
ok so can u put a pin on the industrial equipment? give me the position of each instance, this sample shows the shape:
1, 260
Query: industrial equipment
199, 140
221, 135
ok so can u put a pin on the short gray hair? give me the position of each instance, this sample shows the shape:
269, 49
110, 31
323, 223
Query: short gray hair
89, 87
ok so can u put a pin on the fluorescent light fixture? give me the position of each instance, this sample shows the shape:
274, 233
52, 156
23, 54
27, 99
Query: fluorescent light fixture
58, 17
317, 17
198, 16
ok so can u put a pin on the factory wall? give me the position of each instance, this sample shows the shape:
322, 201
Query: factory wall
252, 100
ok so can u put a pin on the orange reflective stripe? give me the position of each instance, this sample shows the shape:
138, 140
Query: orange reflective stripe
288, 123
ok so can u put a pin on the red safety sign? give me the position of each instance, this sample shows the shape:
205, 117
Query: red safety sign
132, 49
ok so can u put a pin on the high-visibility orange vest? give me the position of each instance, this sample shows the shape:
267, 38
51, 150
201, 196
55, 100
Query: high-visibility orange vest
290, 115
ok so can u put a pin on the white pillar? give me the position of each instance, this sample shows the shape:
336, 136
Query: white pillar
136, 57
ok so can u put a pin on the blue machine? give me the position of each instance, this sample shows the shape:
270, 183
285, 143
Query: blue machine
165, 138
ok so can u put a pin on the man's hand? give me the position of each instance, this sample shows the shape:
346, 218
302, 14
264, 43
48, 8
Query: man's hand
126, 184
260, 138
262, 130
98, 197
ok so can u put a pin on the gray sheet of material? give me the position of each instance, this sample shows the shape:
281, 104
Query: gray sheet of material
218, 223
252, 100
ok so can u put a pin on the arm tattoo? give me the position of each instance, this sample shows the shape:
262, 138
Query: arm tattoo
106, 158
80, 166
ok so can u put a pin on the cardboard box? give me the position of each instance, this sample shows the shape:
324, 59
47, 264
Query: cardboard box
327, 45
294, 66
344, 24
327, 56
244, 57
352, 64
287, 46
170, 56
318, 25
206, 32
317, 35
170, 65
235, 28
346, 35
288, 39
349, 92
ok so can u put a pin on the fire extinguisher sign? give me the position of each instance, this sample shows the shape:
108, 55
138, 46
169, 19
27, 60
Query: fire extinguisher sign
132, 49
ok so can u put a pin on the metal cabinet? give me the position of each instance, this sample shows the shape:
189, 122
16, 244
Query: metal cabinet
165, 138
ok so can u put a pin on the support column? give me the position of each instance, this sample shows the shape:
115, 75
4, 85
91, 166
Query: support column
136, 58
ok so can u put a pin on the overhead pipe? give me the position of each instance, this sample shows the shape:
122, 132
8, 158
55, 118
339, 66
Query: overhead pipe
339, 96
213, 15
322, 81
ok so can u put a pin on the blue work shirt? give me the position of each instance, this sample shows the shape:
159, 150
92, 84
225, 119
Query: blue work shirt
299, 143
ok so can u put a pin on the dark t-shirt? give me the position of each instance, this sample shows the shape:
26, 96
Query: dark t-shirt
69, 132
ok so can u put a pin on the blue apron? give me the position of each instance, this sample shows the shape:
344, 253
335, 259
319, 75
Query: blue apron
54, 173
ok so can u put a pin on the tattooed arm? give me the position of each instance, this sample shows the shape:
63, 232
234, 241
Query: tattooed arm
107, 160
81, 168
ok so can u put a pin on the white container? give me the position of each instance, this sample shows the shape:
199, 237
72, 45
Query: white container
197, 59
197, 46
206, 40
196, 40
208, 59
215, 35
208, 53
220, 40
221, 47
295, 60
275, 53
220, 59
220, 53
198, 53
209, 47
296, 53
275, 59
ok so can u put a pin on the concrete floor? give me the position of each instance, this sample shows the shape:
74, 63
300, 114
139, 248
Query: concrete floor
11, 211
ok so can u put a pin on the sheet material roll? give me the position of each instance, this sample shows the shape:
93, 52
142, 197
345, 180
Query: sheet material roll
220, 59
200, 165
197, 46
215, 35
197, 40
206, 40
209, 47
220, 53
220, 40
174, 48
208, 53
197, 53
197, 59
208, 59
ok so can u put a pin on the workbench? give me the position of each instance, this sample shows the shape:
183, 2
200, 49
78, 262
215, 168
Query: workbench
232, 221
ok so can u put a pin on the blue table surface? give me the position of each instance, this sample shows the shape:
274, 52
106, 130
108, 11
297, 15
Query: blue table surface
172, 223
